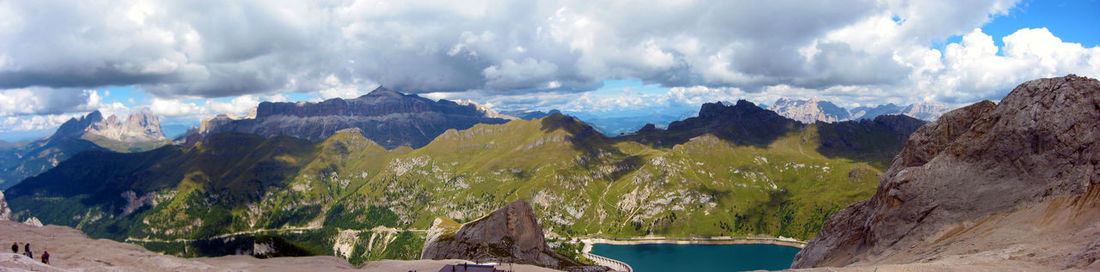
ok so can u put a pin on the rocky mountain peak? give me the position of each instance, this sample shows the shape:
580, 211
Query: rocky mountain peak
76, 126
1018, 179
140, 126
382, 91
810, 110
718, 109
387, 117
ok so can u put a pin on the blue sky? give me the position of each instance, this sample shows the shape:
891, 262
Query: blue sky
511, 55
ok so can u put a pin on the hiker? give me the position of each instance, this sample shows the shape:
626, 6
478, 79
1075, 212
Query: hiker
27, 247
45, 257
14, 247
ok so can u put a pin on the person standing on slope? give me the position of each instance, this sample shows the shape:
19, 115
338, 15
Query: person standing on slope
27, 248
14, 247
45, 257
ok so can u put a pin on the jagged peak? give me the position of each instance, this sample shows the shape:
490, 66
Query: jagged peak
715, 109
382, 91
94, 114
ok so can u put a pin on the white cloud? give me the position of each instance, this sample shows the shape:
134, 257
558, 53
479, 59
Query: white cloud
34, 122
238, 106
174, 108
514, 54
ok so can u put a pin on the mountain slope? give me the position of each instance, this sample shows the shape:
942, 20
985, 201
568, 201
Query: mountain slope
387, 117
985, 184
743, 123
140, 132
735, 170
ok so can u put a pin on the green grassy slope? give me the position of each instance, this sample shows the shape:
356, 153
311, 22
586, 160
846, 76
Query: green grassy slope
349, 197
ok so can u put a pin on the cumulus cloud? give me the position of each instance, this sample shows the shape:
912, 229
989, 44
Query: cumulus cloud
217, 49
514, 54
42, 100
34, 122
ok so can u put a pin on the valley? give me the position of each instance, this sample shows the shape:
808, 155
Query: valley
350, 197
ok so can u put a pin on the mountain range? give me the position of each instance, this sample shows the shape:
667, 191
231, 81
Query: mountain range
814, 110
141, 131
733, 170
387, 117
987, 186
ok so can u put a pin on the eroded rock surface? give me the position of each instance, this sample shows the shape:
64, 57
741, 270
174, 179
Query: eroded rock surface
510, 234
1014, 182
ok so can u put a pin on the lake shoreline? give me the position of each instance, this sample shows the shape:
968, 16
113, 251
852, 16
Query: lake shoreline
648, 240
782, 241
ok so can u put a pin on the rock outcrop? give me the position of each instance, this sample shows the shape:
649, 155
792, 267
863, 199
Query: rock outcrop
5, 211
387, 117
1014, 183
510, 234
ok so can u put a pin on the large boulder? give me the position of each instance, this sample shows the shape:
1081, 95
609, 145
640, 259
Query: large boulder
510, 234
1014, 182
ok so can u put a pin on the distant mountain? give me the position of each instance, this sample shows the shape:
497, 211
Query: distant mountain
872, 112
813, 110
529, 115
743, 123
809, 111
926, 110
387, 117
614, 124
986, 187
140, 132
876, 141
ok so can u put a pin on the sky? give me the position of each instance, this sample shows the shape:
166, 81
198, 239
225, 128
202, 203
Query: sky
188, 60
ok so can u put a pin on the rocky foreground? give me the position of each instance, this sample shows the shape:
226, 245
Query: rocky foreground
71, 250
1009, 186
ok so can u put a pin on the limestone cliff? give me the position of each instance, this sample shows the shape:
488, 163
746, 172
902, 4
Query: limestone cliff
1008, 184
809, 111
510, 234
387, 117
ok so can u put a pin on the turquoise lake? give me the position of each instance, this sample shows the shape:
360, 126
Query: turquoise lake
675, 257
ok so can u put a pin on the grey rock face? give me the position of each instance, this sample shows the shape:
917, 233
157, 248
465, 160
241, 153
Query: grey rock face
809, 111
141, 126
510, 234
813, 110
5, 211
387, 117
984, 159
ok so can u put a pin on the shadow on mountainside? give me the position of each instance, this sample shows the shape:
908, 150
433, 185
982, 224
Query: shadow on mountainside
743, 124
593, 144
873, 141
